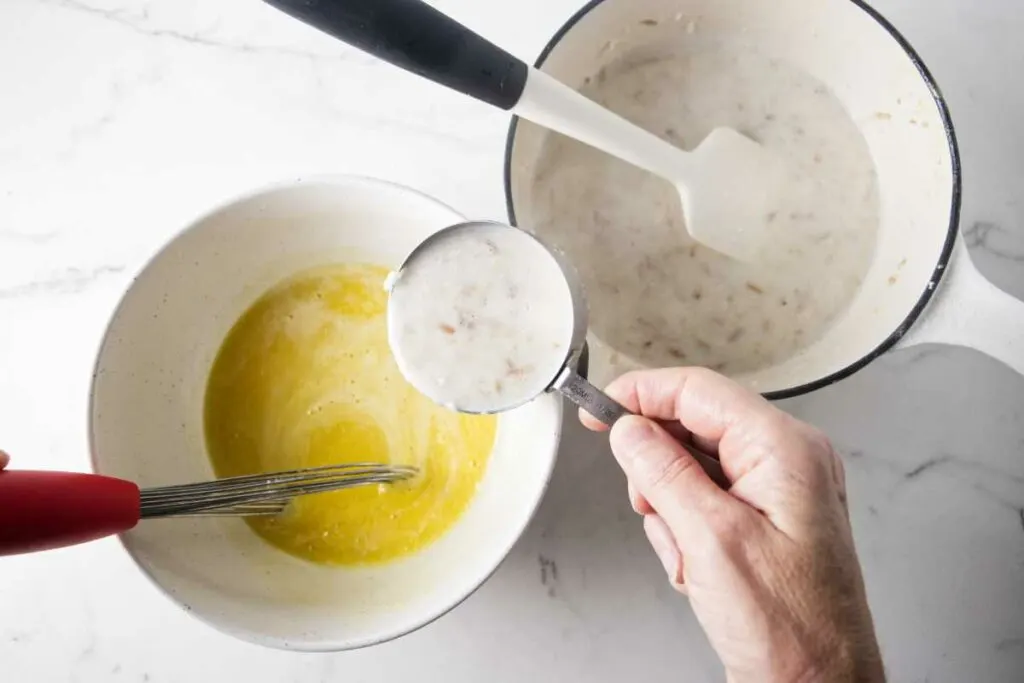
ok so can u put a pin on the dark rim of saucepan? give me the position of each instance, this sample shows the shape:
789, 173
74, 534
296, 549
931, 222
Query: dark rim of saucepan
954, 211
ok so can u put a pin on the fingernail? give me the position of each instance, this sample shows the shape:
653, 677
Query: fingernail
664, 546
634, 498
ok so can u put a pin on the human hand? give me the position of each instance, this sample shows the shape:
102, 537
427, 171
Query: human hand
769, 566
4, 459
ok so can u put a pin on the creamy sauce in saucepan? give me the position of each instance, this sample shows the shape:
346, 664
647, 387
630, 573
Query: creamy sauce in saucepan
480, 318
656, 295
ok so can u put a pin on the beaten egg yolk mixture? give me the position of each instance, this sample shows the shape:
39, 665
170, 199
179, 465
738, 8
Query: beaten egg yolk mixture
306, 378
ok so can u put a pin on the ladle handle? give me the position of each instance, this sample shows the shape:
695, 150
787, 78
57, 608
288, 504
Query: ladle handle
416, 37
580, 391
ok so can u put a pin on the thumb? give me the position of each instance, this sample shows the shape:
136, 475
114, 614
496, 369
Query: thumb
664, 473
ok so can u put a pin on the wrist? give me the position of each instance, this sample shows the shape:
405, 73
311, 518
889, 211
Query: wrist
846, 660
857, 662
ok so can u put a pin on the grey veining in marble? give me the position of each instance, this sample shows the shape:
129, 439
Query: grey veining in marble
121, 121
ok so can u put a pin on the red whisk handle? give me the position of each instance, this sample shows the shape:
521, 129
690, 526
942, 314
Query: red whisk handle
46, 510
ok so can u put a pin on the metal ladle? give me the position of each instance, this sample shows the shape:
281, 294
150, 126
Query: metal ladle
570, 380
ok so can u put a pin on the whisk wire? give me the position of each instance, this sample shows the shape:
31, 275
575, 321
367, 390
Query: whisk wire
262, 494
281, 477
254, 510
213, 501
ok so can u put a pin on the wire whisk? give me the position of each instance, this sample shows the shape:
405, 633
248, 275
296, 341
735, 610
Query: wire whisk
44, 510
262, 494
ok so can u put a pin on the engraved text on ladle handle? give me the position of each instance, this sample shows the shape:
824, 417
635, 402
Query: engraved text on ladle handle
577, 389
591, 399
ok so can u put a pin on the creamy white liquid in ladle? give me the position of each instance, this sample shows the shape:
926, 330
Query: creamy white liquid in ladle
480, 318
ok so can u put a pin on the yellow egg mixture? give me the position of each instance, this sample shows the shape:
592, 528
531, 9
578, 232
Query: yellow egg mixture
306, 378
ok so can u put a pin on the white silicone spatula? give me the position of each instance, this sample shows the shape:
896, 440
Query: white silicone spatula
728, 184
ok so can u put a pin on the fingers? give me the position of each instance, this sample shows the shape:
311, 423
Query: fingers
591, 422
4, 459
705, 402
666, 548
665, 474
670, 425
708, 405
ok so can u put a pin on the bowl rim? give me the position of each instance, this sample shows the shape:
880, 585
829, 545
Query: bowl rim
952, 230
349, 180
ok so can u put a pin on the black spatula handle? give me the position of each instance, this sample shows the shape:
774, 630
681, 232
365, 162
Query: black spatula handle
415, 36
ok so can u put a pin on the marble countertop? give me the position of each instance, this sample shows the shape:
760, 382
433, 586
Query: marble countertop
120, 121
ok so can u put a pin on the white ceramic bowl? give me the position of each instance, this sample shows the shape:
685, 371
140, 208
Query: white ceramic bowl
146, 424
889, 93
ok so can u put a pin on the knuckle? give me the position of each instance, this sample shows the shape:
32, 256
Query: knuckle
703, 374
777, 428
839, 467
819, 447
818, 441
815, 463
788, 433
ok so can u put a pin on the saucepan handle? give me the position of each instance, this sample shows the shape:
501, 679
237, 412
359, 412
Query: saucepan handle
970, 311
418, 38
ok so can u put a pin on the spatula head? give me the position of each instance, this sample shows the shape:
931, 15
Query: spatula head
732, 195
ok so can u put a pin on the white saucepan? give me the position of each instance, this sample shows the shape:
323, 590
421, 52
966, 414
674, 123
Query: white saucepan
922, 286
